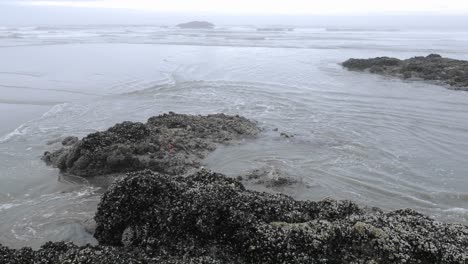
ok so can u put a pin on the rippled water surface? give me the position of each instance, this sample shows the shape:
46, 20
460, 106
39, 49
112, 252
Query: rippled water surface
374, 140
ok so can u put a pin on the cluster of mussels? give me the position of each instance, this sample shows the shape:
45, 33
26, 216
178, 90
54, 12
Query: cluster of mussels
170, 143
155, 215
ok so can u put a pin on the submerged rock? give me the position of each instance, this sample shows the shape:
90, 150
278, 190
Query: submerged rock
170, 143
269, 177
432, 68
209, 215
197, 25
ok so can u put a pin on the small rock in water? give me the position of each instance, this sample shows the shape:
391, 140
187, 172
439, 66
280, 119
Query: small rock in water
270, 177
286, 135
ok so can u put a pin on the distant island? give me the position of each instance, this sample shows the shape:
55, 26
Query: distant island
197, 25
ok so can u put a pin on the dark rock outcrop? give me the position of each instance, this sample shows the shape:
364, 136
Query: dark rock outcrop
209, 215
206, 217
68, 253
432, 68
197, 25
169, 143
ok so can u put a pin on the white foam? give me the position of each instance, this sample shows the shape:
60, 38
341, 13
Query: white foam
457, 210
25, 128
55, 110
20, 131
7, 206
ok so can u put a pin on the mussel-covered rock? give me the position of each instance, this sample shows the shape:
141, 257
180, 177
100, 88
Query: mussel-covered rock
433, 67
67, 253
207, 218
209, 215
170, 143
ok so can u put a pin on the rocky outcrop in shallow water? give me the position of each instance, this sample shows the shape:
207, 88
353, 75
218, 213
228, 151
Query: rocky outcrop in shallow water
170, 143
432, 68
207, 217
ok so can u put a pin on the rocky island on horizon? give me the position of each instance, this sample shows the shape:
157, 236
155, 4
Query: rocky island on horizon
433, 67
196, 25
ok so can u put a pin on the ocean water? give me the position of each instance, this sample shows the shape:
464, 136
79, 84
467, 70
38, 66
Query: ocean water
376, 140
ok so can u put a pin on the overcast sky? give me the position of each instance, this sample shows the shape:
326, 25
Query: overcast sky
454, 12
316, 7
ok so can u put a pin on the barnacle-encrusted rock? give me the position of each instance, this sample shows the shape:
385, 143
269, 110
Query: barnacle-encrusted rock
67, 253
207, 218
170, 143
432, 67
207, 214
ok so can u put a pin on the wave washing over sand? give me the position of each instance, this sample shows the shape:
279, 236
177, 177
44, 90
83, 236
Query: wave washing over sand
378, 141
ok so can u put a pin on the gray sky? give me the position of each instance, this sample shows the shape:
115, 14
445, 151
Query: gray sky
315, 7
389, 13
